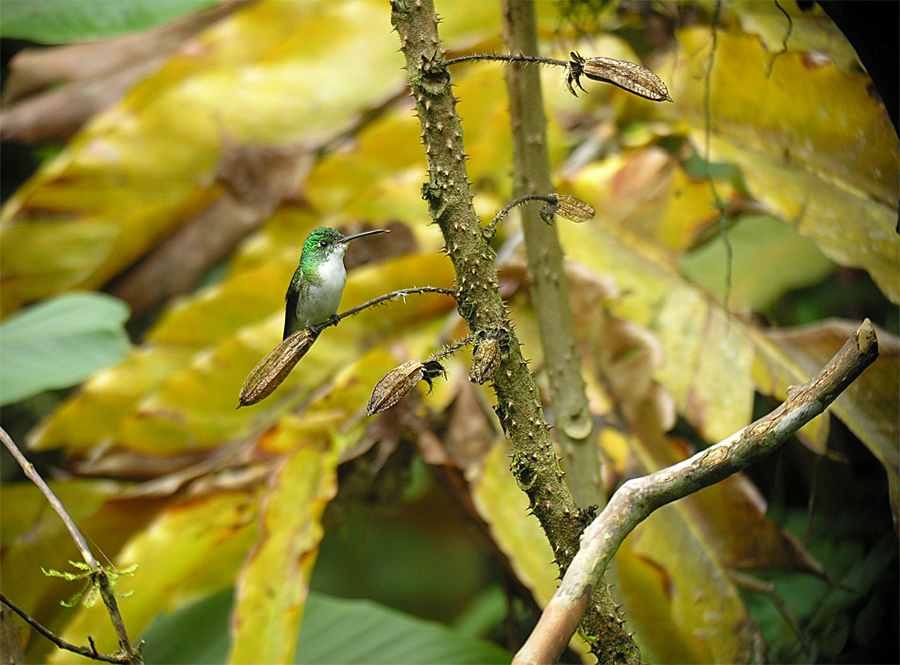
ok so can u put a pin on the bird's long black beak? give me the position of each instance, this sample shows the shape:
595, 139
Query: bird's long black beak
346, 239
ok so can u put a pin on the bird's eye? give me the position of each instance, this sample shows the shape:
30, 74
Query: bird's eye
323, 243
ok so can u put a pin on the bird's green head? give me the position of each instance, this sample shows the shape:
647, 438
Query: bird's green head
324, 242
321, 243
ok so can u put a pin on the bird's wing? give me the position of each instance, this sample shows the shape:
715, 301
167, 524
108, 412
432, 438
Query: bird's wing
290, 310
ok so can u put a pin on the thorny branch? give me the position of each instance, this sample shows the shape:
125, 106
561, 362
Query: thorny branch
636, 499
549, 289
534, 463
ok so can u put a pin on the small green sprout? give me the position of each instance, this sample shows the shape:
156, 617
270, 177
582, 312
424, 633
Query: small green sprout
91, 577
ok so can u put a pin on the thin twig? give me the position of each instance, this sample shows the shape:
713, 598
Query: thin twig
636, 499
523, 59
54, 502
450, 349
393, 295
60, 642
106, 592
769, 590
491, 228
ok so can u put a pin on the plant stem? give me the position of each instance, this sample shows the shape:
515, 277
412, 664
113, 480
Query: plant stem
524, 59
491, 228
60, 642
106, 592
535, 465
550, 296
393, 295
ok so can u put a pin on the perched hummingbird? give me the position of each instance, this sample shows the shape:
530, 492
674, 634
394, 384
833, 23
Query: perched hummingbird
315, 291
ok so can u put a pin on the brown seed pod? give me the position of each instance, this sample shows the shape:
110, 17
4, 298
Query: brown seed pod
485, 361
569, 207
627, 75
573, 208
395, 385
275, 367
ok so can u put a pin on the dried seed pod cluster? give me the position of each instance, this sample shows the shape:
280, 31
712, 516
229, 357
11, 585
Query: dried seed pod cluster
395, 385
570, 207
627, 75
272, 370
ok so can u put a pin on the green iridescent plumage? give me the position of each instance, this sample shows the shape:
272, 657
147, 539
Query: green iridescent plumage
315, 291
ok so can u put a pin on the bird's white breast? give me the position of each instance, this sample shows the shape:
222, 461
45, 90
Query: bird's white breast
322, 300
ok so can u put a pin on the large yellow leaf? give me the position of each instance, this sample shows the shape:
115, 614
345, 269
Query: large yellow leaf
274, 581
141, 169
502, 505
812, 141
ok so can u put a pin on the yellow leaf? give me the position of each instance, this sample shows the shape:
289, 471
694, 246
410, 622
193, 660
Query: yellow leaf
811, 140
502, 505
264, 74
274, 582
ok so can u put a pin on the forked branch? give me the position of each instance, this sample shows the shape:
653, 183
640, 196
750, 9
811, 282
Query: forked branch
637, 498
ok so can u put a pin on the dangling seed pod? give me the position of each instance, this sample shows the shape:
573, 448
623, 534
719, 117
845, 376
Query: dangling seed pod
272, 370
485, 361
569, 207
627, 75
574, 209
399, 381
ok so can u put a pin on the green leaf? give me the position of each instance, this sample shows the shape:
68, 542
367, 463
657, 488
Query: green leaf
759, 244
59, 21
335, 630
171, 638
60, 343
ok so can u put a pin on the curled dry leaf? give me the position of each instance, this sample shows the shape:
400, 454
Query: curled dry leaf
627, 75
399, 381
485, 361
272, 370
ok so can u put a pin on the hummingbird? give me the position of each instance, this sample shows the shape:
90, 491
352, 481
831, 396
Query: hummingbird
315, 291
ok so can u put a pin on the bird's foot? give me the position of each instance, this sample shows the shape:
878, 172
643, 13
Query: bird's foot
319, 327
